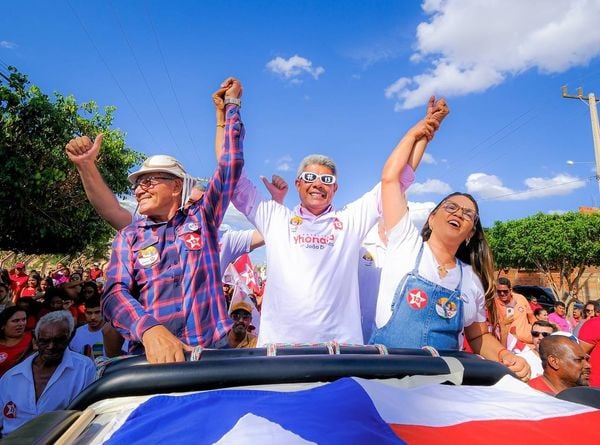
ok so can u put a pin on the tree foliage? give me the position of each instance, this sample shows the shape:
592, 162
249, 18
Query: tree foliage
566, 244
43, 207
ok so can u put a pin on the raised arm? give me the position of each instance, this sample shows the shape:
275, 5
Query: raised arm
83, 153
409, 151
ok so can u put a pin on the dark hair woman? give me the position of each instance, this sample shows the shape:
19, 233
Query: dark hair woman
15, 341
436, 283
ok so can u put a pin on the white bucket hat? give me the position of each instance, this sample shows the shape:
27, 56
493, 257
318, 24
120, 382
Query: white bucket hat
166, 164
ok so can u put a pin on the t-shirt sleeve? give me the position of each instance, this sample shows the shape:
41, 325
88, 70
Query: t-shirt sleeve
590, 332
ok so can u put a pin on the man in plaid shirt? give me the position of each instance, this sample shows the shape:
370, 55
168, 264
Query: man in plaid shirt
163, 290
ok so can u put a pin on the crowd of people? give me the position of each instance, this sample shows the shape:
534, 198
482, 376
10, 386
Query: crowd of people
163, 292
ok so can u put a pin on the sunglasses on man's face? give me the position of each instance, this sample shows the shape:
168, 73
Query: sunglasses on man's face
312, 177
536, 334
503, 292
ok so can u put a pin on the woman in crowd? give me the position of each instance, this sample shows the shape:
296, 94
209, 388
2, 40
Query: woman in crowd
32, 287
5, 296
439, 282
541, 314
45, 284
15, 341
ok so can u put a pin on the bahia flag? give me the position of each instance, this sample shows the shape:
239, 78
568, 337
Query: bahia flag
358, 411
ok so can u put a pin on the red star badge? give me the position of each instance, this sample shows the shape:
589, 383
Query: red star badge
192, 241
417, 299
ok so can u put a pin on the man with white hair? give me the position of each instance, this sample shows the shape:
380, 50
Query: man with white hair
47, 380
163, 291
312, 291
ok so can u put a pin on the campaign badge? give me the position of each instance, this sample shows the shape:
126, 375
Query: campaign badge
296, 220
445, 308
337, 224
192, 227
3, 356
417, 299
368, 258
148, 256
10, 410
521, 309
193, 241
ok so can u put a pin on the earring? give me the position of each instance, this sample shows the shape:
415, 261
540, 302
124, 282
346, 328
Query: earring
467, 241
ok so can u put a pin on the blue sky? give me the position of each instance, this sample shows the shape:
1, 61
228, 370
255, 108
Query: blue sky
342, 78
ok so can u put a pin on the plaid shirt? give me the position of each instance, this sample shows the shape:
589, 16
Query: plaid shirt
168, 272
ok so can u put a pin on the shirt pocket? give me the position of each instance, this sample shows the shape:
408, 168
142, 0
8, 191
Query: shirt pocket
191, 237
146, 253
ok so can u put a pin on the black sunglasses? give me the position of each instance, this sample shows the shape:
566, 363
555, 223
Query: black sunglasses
535, 334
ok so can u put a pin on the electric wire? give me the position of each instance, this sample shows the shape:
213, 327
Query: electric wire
85, 30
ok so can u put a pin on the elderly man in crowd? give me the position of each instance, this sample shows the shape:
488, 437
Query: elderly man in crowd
565, 364
163, 289
48, 380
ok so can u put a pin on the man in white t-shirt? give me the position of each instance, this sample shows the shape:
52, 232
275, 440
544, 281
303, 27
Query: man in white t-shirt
88, 339
312, 255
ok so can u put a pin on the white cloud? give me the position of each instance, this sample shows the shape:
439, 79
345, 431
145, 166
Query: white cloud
284, 164
471, 45
293, 68
419, 211
429, 186
7, 44
428, 159
234, 219
491, 187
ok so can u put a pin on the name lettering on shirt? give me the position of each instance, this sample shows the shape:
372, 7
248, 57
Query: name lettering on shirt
314, 241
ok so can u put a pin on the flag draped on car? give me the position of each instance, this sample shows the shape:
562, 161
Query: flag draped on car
359, 411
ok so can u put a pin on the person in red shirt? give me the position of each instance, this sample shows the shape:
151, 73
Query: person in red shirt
534, 304
18, 280
589, 336
32, 287
15, 341
565, 364
96, 272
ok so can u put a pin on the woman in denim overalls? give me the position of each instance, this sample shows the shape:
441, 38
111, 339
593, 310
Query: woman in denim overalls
423, 311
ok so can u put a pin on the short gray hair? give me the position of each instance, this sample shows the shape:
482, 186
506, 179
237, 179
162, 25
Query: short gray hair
319, 160
55, 317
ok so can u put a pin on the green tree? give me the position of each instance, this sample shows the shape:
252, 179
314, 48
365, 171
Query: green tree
43, 207
566, 244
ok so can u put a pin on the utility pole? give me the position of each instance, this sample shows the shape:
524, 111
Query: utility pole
591, 98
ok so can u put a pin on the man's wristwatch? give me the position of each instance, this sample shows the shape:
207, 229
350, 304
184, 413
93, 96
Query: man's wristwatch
233, 100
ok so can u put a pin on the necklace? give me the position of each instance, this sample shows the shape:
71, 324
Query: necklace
442, 270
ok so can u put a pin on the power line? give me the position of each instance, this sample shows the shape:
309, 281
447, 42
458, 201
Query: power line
189, 133
158, 108
110, 72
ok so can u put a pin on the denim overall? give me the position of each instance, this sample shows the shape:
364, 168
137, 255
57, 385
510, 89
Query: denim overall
423, 314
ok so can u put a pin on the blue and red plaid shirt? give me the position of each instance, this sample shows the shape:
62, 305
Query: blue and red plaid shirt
168, 272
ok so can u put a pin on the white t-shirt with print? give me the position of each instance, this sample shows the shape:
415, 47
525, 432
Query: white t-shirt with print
311, 295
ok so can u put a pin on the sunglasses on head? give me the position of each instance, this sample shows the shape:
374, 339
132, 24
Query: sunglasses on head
312, 177
535, 334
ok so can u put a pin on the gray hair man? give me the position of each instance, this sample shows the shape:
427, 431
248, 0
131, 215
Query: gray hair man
47, 380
